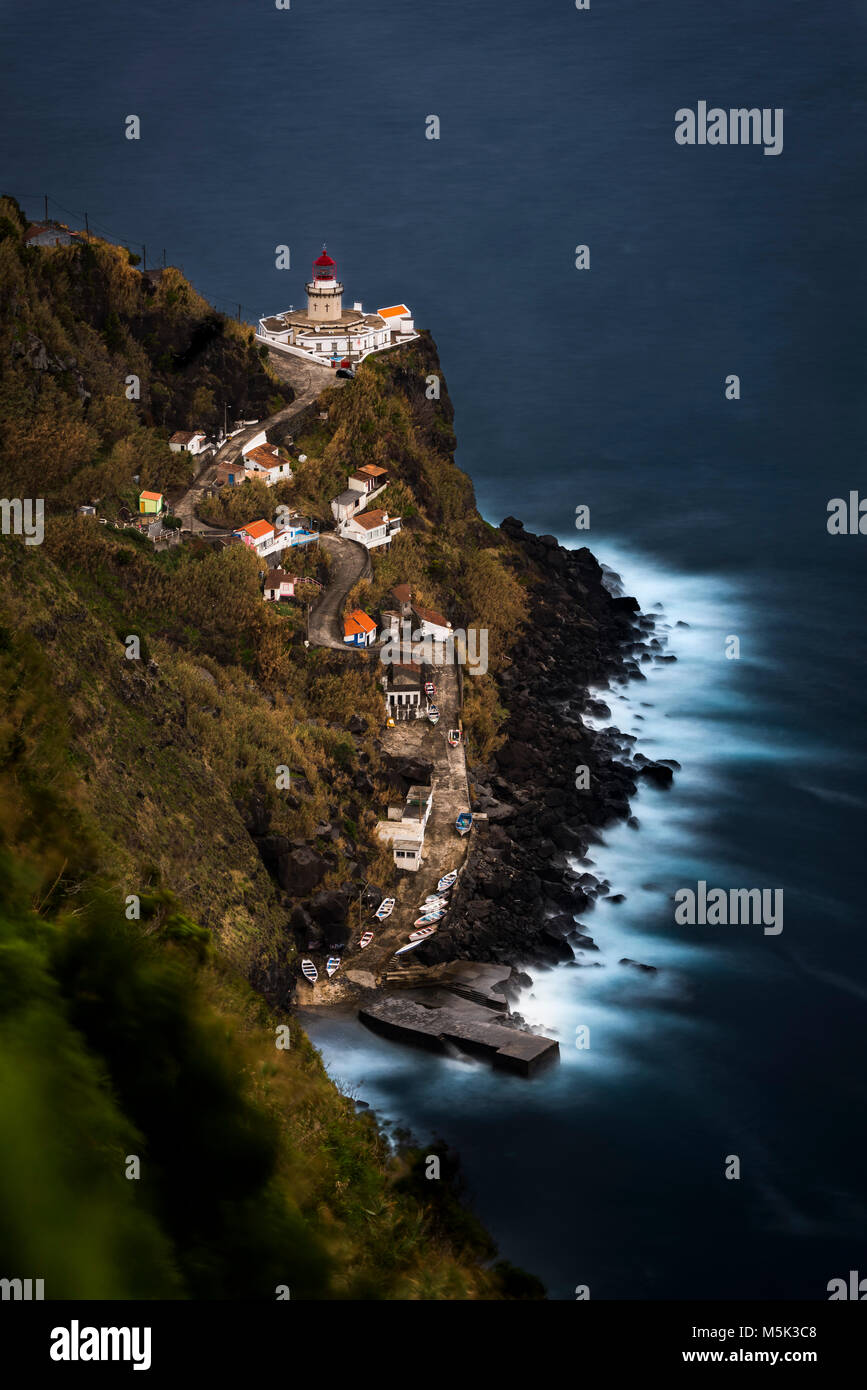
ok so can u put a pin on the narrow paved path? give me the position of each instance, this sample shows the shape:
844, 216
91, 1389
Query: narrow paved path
444, 849
351, 563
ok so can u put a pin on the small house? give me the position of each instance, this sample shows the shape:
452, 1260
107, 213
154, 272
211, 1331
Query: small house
266, 462
403, 690
429, 623
368, 479
267, 539
259, 535
256, 442
346, 504
150, 503
432, 624
398, 318
370, 529
188, 441
230, 474
405, 828
279, 585
50, 234
358, 629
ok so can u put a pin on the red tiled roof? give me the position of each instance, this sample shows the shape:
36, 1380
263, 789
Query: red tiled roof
430, 615
369, 520
265, 455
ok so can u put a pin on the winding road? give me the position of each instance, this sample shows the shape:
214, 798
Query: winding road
351, 563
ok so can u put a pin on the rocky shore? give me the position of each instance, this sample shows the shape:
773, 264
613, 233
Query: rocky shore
518, 895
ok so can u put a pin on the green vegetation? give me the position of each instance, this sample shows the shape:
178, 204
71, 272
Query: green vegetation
79, 322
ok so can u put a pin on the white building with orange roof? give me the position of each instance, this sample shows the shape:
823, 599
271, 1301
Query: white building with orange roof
370, 529
267, 539
327, 333
267, 463
359, 629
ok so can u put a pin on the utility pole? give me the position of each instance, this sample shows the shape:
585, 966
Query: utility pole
164, 258
144, 264
239, 313
87, 226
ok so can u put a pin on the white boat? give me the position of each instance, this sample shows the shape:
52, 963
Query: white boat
435, 900
454, 737
332, 964
410, 946
422, 933
435, 915
385, 909
447, 880
365, 941
433, 714
309, 971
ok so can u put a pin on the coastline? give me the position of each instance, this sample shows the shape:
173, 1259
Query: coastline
518, 895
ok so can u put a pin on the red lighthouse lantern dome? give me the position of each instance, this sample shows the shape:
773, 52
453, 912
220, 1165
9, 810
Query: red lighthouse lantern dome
324, 268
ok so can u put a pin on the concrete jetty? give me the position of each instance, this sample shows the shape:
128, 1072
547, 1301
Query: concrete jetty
434, 1017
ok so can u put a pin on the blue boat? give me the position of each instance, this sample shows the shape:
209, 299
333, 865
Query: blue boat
464, 822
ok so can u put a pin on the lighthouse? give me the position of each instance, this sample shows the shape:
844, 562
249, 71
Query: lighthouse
323, 331
324, 291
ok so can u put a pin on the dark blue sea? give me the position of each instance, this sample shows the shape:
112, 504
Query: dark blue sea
602, 387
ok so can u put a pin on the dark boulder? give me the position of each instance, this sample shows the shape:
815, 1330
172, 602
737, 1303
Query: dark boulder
657, 773
301, 871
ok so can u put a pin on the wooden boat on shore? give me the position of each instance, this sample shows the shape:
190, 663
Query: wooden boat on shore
365, 941
425, 920
447, 881
385, 909
454, 737
309, 971
430, 690
410, 946
464, 823
332, 964
433, 714
438, 900
422, 933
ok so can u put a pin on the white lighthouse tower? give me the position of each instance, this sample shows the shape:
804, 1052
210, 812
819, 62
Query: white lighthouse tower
324, 291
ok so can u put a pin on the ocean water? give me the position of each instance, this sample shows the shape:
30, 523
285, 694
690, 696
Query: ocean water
606, 388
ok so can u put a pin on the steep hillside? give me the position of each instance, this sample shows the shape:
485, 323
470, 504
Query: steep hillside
177, 774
